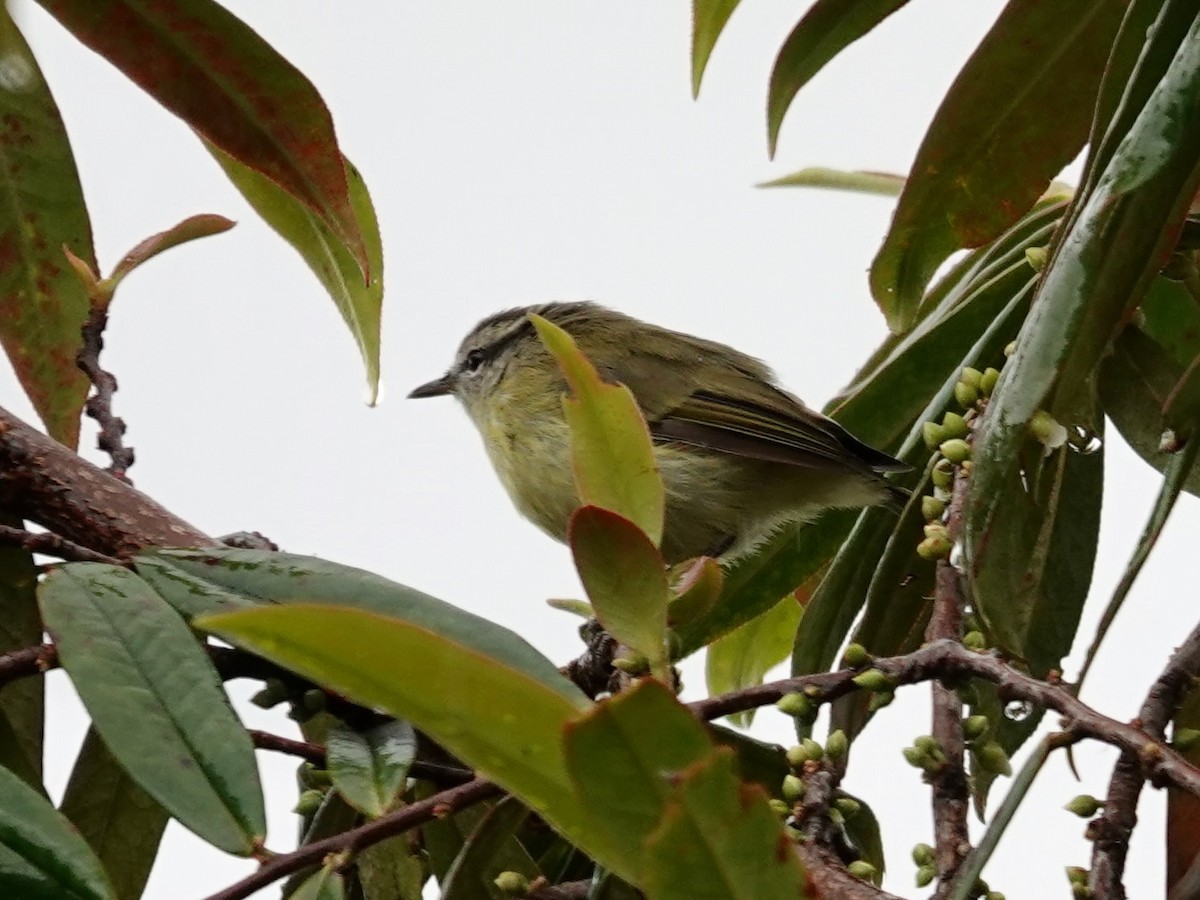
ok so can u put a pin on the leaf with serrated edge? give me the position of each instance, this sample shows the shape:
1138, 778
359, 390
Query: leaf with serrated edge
156, 700
611, 451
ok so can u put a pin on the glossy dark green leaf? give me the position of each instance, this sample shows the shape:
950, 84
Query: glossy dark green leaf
742, 657
156, 700
121, 822
370, 768
826, 29
359, 300
42, 303
488, 850
622, 757
1003, 131
719, 838
324, 884
626, 582
209, 68
708, 21
41, 856
21, 700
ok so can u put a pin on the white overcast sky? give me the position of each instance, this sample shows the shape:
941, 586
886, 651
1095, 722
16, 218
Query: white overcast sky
517, 153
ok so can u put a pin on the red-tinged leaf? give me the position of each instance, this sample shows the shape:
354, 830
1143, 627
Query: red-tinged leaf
626, 582
708, 21
209, 68
42, 303
1004, 130
697, 591
611, 451
189, 229
359, 301
826, 30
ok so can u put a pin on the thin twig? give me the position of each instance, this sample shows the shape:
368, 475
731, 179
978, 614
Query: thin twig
27, 661
265, 740
441, 804
53, 545
99, 405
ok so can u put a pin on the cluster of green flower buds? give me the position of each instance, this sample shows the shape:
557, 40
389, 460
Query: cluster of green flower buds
926, 754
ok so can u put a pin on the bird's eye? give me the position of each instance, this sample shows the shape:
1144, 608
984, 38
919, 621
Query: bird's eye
473, 361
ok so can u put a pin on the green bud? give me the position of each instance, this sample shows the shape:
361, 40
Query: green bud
879, 700
955, 425
993, 895
987, 383
312, 777
836, 817
272, 694
792, 789
631, 666
936, 530
812, 749
1081, 891
314, 700
514, 884
848, 805
927, 744
796, 705
925, 875
836, 745
922, 855
915, 758
862, 869
856, 655
796, 756
956, 450
943, 473
779, 807
1036, 257
1009, 349
933, 434
1049, 432
974, 640
967, 395
993, 759
1077, 875
873, 680
970, 376
1085, 806
935, 548
309, 802
1184, 739
932, 508
975, 727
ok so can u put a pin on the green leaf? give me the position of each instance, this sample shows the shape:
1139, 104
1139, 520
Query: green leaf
392, 869
626, 582
156, 700
22, 701
41, 856
445, 680
324, 884
708, 21
1003, 131
209, 68
611, 451
120, 821
622, 757
881, 184
697, 590
826, 30
1102, 268
718, 838
863, 830
359, 300
190, 229
370, 768
42, 303
742, 657
490, 848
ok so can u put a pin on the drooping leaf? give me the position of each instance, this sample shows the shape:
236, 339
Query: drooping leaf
42, 303
41, 856
708, 21
1003, 131
156, 700
370, 768
209, 68
611, 451
719, 838
359, 300
826, 29
626, 582
121, 822
22, 700
488, 850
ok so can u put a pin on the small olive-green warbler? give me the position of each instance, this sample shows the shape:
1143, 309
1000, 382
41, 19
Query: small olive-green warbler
739, 456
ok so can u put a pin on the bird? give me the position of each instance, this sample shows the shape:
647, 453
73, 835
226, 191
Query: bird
739, 456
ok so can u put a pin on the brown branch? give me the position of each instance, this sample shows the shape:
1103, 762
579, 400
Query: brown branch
828, 877
44, 482
265, 740
1112, 830
570, 890
356, 839
53, 545
99, 405
27, 661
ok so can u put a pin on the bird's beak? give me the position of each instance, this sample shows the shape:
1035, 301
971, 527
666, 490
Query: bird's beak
439, 387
